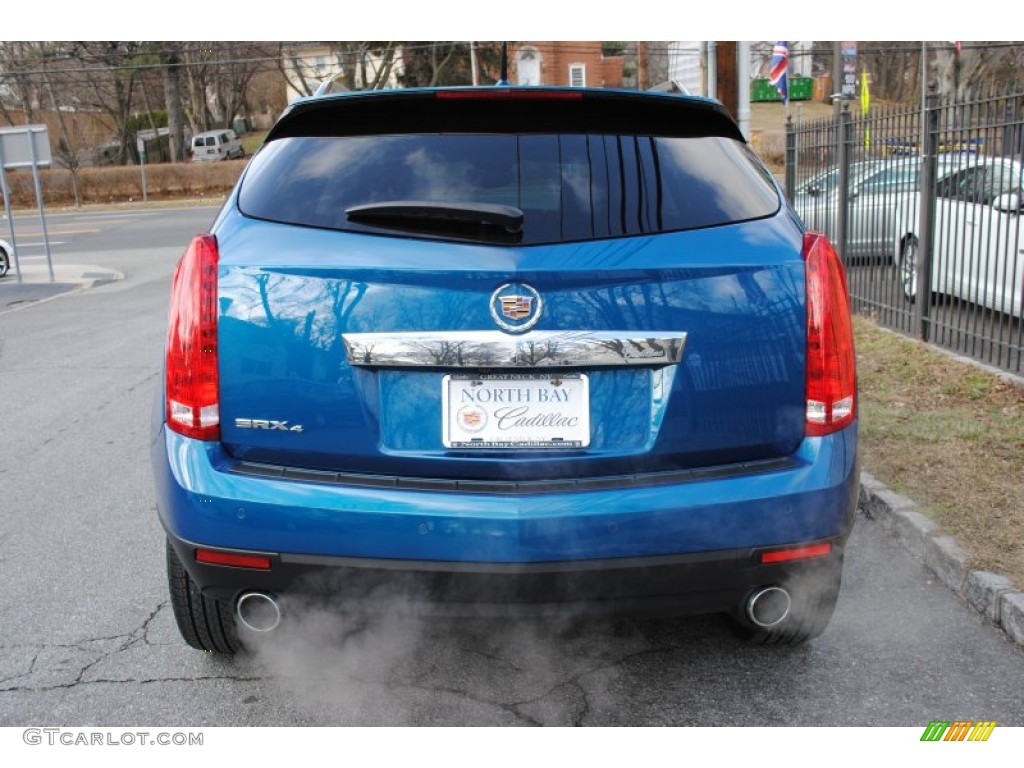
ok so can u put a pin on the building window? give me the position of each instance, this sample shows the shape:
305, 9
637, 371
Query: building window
577, 75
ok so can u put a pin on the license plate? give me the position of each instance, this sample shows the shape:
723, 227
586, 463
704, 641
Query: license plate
516, 411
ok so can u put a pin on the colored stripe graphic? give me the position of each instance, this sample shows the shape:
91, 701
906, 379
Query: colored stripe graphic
935, 730
982, 730
958, 730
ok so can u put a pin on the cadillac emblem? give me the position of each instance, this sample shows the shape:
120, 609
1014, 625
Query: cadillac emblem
472, 418
516, 307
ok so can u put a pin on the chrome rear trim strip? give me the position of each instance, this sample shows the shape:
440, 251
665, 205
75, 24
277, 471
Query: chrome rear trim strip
493, 349
513, 487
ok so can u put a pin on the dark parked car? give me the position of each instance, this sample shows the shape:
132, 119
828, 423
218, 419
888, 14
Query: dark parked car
525, 350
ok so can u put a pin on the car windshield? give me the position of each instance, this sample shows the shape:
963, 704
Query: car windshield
568, 186
828, 181
894, 177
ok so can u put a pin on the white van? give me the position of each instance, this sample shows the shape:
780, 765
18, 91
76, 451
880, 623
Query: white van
222, 144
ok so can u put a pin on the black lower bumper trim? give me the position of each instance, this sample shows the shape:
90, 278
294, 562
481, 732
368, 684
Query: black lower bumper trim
665, 585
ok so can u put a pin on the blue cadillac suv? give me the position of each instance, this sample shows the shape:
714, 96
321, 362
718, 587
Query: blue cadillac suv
516, 350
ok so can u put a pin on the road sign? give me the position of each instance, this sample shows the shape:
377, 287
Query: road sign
16, 150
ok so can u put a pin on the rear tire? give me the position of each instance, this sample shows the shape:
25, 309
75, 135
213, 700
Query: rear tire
205, 624
814, 594
5, 262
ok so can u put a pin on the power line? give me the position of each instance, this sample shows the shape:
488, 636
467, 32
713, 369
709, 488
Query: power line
281, 58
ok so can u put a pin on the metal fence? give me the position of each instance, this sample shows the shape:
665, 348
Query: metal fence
931, 239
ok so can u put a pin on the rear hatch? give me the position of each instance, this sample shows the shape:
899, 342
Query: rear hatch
509, 285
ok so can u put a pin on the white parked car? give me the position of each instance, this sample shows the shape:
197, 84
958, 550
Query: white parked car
6, 251
978, 249
222, 144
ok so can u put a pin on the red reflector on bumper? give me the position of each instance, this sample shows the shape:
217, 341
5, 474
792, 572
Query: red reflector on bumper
210, 557
796, 553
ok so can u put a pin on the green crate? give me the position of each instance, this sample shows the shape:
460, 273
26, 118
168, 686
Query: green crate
761, 89
801, 88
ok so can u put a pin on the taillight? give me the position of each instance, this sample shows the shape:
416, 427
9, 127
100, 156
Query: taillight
831, 365
193, 400
509, 94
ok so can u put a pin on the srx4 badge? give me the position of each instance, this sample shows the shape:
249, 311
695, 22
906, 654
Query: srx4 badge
267, 424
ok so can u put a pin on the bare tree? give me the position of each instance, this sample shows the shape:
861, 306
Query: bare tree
19, 90
216, 76
366, 65
294, 71
233, 68
439, 63
196, 75
103, 76
895, 69
69, 144
171, 75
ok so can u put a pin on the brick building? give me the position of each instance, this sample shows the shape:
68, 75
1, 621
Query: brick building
563, 63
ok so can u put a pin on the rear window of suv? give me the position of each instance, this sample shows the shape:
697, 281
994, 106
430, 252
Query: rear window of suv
569, 187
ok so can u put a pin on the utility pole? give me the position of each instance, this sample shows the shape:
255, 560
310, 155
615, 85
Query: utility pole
743, 87
641, 65
711, 88
837, 73
473, 65
728, 91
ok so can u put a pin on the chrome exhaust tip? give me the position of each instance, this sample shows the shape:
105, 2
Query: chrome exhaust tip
768, 606
258, 612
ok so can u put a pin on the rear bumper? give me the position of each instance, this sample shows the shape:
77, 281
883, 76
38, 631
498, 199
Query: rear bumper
655, 586
699, 538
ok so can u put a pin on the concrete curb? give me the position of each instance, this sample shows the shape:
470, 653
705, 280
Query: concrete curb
83, 275
990, 594
69, 279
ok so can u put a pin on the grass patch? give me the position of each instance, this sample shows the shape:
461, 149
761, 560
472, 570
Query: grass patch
253, 141
951, 437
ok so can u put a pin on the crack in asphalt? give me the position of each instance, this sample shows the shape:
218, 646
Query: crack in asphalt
570, 699
579, 720
572, 682
31, 666
145, 624
126, 681
500, 705
576, 681
495, 657
125, 640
